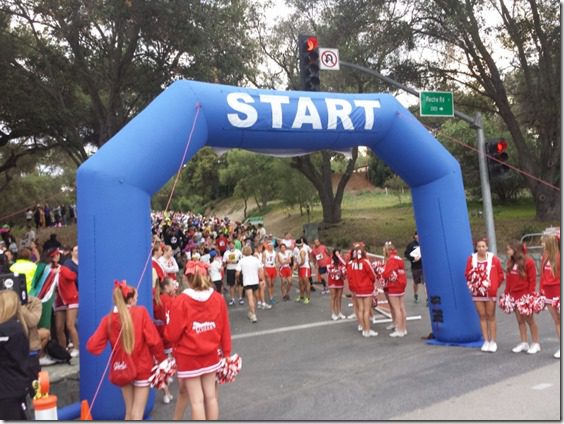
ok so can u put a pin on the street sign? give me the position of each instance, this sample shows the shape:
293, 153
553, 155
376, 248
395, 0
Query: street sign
329, 59
436, 103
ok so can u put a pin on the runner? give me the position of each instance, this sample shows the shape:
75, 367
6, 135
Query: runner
231, 258
269, 261
252, 271
321, 259
284, 261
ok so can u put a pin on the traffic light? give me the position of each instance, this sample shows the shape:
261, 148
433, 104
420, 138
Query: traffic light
309, 62
497, 148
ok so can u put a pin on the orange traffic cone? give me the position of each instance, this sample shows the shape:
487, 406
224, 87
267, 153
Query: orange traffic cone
85, 414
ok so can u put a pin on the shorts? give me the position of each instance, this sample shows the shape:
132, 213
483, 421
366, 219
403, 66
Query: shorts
218, 285
285, 272
195, 366
230, 277
270, 272
253, 287
304, 272
417, 275
550, 292
322, 270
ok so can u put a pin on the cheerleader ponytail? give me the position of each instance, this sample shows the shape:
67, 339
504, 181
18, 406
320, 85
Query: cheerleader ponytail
120, 300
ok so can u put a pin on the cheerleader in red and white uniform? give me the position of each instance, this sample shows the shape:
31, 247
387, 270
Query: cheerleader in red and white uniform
198, 327
169, 264
521, 275
284, 261
396, 282
484, 275
66, 302
162, 302
139, 339
336, 272
550, 278
361, 278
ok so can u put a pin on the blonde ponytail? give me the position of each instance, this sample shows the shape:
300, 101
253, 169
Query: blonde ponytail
127, 332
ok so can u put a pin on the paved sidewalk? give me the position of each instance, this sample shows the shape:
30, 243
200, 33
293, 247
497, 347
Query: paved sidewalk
534, 395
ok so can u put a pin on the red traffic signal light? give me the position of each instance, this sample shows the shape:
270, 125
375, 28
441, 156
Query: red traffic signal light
311, 44
501, 145
309, 62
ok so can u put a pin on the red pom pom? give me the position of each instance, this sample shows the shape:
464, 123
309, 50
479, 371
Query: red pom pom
524, 305
538, 303
478, 282
229, 369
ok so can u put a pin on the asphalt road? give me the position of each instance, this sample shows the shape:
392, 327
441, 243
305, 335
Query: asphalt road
300, 365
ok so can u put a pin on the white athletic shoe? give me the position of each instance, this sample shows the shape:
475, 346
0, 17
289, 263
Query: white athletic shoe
46, 360
352, 316
334, 317
253, 318
167, 399
535, 348
266, 306
390, 326
359, 328
365, 334
74, 353
493, 347
485, 347
521, 347
372, 333
341, 316
557, 354
397, 334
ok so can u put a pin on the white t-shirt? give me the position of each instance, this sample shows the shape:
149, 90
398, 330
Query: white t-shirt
269, 259
205, 258
307, 250
215, 270
232, 255
249, 267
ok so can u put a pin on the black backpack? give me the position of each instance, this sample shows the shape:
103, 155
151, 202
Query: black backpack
57, 352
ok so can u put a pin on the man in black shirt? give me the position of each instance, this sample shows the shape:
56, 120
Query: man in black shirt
413, 254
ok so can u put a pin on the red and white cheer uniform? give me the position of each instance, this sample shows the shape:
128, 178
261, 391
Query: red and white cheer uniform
361, 277
198, 326
67, 292
492, 269
550, 283
394, 275
336, 276
517, 286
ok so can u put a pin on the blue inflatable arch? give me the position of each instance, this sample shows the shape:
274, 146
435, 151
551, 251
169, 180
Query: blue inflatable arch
115, 187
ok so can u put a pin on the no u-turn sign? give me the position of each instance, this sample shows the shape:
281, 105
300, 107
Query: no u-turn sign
329, 59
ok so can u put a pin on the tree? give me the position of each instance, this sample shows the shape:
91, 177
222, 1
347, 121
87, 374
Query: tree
396, 185
525, 90
75, 72
293, 188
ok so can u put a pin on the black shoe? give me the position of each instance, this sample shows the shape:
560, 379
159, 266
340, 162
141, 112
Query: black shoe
313, 288
429, 337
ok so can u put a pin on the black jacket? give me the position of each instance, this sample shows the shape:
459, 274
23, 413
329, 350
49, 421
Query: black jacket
14, 351
408, 250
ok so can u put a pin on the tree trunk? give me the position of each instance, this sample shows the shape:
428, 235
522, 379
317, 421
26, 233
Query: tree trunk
547, 203
321, 178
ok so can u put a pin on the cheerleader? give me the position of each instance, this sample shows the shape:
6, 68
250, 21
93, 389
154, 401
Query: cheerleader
336, 270
198, 327
361, 282
550, 278
169, 264
484, 275
284, 261
132, 329
162, 302
521, 277
396, 282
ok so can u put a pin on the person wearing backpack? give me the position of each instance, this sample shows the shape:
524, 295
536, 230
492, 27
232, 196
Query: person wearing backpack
135, 343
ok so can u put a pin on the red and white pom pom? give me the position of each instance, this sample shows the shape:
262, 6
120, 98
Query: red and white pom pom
478, 282
524, 305
507, 303
556, 303
393, 276
162, 373
229, 369
538, 303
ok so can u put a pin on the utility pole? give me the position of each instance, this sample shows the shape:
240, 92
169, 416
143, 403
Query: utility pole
475, 123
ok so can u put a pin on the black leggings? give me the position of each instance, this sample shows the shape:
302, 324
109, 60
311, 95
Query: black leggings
13, 409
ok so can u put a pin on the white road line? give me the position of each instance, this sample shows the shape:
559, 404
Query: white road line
542, 386
307, 326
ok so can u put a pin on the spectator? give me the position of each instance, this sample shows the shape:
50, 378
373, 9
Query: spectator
52, 243
25, 266
413, 254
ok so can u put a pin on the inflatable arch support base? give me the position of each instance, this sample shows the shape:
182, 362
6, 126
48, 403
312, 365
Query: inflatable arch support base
115, 187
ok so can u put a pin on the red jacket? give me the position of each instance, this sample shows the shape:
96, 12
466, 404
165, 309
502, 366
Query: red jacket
395, 263
159, 314
148, 344
496, 275
361, 276
67, 286
516, 285
547, 278
199, 324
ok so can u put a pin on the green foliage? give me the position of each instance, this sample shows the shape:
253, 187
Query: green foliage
397, 186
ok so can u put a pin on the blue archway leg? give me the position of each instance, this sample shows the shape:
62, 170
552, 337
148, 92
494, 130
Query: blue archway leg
444, 232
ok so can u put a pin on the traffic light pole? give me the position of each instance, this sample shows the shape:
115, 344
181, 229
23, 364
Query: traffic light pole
475, 123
